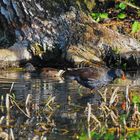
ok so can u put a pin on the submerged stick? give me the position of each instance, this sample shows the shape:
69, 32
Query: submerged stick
114, 118
7, 102
12, 87
2, 119
89, 113
12, 134
127, 100
28, 99
19, 107
114, 96
49, 101
2, 104
28, 104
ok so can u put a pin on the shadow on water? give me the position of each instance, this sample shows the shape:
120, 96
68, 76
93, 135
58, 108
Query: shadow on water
51, 107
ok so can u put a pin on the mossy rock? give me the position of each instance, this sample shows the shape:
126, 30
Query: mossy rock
36, 49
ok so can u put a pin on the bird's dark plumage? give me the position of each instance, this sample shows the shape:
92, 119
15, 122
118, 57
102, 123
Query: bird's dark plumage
93, 77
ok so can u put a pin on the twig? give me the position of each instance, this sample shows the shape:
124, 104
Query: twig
12, 87
127, 99
28, 103
50, 100
2, 119
114, 96
28, 99
95, 119
1, 105
131, 5
7, 108
114, 118
103, 95
89, 113
12, 134
19, 107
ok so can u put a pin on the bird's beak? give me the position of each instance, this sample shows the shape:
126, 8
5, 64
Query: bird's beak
123, 77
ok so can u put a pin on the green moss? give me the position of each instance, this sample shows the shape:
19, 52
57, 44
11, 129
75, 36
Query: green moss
37, 49
15, 69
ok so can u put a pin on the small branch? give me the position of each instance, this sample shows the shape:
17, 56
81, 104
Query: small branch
19, 107
127, 99
12, 87
8, 109
131, 5
114, 96
89, 113
12, 134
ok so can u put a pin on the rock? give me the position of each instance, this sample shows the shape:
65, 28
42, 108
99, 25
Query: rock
29, 67
63, 30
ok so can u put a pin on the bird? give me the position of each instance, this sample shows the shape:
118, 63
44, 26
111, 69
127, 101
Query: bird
94, 77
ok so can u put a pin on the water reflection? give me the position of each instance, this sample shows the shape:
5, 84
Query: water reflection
68, 102
42, 89
134, 76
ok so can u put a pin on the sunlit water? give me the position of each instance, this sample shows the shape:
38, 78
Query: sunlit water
63, 118
65, 93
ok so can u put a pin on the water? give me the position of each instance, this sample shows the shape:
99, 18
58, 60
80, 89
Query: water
56, 106
59, 113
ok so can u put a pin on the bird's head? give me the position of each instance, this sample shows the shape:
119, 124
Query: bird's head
120, 74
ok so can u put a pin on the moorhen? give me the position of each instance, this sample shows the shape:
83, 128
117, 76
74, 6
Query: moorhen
95, 77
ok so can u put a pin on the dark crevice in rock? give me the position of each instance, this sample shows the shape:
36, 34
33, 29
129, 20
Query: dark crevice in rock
127, 61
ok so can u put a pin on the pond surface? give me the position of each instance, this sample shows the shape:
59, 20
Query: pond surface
54, 108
